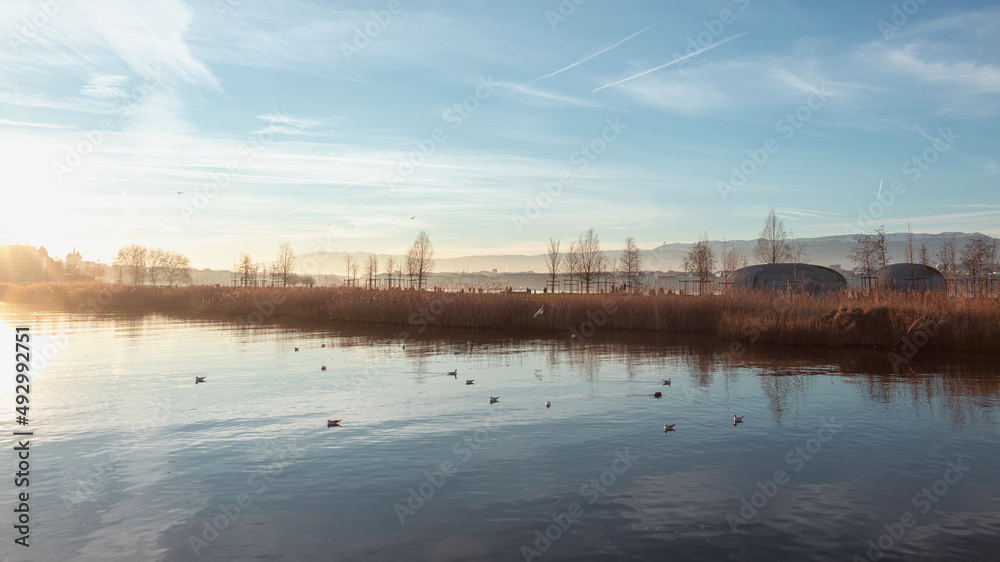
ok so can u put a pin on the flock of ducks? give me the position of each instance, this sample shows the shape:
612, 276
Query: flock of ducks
667, 427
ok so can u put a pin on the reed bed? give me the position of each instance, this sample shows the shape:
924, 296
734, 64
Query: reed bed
894, 321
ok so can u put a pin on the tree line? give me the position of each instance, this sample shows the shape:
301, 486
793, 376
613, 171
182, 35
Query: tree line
137, 264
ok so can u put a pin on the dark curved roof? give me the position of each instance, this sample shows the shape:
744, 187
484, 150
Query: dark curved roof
910, 277
782, 276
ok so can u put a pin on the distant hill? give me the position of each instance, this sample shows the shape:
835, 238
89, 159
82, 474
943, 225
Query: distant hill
826, 251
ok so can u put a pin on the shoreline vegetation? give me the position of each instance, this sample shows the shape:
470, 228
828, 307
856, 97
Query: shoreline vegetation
900, 323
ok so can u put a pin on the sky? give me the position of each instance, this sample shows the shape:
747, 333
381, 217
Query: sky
226, 126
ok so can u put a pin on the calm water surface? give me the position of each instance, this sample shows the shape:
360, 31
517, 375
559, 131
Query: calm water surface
132, 461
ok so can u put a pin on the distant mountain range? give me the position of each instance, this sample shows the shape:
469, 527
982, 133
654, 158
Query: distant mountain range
826, 251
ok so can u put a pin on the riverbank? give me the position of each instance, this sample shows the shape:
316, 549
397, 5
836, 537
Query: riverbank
900, 323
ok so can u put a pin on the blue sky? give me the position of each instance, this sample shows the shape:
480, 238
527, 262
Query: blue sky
351, 126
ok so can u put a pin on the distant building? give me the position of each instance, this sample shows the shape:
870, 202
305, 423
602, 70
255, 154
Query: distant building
74, 262
910, 277
20, 263
787, 276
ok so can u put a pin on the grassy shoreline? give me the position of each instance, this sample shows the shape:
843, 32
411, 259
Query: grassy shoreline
902, 324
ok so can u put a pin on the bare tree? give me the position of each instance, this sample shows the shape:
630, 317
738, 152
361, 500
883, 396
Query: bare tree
261, 278
910, 256
631, 264
133, 262
863, 254
95, 270
700, 260
176, 269
572, 261
979, 258
350, 269
731, 259
554, 261
284, 265
371, 269
410, 264
590, 260
881, 247
245, 270
421, 253
924, 256
772, 246
947, 254
390, 266
156, 261
796, 249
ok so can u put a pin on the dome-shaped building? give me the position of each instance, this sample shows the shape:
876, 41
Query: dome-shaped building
786, 276
909, 277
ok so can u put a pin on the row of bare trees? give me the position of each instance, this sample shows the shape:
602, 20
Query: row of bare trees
418, 262
137, 264
281, 271
977, 259
584, 262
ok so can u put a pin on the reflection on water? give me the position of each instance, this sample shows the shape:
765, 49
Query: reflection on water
132, 461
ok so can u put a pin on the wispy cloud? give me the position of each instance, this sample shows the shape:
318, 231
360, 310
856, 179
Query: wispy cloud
587, 58
26, 124
106, 86
675, 61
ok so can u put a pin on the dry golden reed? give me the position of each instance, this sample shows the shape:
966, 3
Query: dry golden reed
881, 320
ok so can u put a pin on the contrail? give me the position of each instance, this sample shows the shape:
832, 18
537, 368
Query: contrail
585, 59
320, 199
687, 56
879, 189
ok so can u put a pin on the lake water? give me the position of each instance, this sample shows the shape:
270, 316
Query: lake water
130, 460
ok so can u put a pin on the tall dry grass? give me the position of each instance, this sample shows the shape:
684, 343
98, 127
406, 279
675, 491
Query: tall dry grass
884, 320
